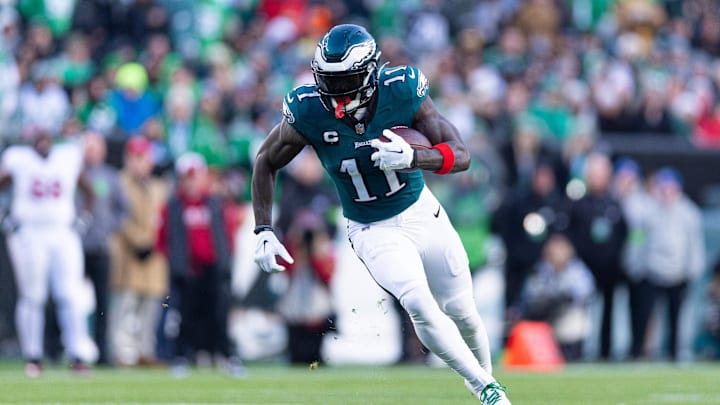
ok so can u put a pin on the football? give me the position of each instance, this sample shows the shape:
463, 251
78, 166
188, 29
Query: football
415, 138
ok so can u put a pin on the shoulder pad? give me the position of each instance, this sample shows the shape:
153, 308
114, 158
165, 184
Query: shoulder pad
407, 81
293, 101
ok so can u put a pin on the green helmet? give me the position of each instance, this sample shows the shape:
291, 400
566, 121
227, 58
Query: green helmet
346, 68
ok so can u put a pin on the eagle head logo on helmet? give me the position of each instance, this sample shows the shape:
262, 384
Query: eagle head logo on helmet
346, 68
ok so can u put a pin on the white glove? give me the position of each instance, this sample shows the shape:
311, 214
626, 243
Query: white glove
394, 155
266, 248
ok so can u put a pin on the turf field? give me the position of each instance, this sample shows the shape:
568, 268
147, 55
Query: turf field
269, 384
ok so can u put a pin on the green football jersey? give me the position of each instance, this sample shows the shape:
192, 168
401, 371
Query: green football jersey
367, 193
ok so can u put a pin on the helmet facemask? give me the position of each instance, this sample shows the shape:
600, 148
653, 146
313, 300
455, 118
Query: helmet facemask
346, 80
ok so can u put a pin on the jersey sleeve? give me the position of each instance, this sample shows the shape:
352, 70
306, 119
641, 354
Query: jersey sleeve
408, 84
298, 105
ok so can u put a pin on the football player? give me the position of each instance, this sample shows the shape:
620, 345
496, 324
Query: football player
395, 224
45, 247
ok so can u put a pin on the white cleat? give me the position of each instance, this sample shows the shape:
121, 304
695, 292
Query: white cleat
235, 368
491, 394
33, 369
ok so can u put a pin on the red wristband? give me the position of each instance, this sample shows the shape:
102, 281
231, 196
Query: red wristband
448, 158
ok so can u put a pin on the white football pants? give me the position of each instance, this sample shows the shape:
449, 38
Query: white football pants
417, 256
42, 257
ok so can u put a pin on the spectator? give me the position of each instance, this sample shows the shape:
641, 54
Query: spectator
132, 100
707, 130
93, 108
306, 188
613, 87
75, 64
655, 115
540, 22
178, 111
629, 189
598, 231
40, 41
108, 214
307, 206
57, 15
9, 97
510, 54
159, 60
43, 102
195, 238
707, 343
523, 154
675, 251
524, 222
208, 137
139, 275
559, 291
307, 306
10, 28
428, 29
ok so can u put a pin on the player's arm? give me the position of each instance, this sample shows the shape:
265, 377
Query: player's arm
5, 178
282, 144
6, 168
88, 193
280, 147
449, 153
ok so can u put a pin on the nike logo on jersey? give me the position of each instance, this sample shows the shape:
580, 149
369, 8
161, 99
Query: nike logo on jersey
437, 214
395, 151
264, 244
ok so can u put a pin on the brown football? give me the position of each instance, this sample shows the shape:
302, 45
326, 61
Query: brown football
415, 138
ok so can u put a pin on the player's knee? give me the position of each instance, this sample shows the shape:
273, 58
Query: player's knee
419, 304
33, 294
30, 299
463, 312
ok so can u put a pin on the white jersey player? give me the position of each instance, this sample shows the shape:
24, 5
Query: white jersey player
45, 249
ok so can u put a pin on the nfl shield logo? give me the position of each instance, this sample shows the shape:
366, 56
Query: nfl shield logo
360, 128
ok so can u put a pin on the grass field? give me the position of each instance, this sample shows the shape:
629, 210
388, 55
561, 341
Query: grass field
274, 384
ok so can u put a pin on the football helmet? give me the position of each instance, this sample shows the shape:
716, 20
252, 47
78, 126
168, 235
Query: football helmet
346, 68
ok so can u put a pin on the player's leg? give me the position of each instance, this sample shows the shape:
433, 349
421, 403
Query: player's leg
66, 281
394, 263
448, 273
30, 259
446, 267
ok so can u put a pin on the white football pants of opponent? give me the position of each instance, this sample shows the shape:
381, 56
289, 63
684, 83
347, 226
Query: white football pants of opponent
418, 257
49, 257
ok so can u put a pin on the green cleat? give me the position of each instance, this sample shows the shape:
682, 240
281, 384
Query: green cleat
494, 394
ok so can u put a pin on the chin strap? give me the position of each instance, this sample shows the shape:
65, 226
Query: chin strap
340, 103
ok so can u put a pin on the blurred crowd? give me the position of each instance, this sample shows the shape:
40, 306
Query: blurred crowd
181, 90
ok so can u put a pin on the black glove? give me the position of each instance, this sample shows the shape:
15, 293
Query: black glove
142, 253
